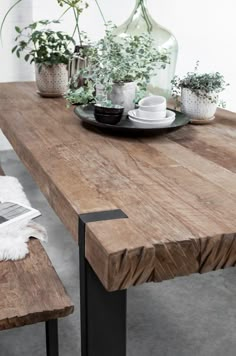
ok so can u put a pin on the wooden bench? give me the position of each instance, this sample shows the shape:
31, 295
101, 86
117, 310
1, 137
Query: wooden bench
31, 292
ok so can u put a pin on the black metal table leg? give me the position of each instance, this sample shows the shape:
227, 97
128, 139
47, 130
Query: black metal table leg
103, 314
52, 337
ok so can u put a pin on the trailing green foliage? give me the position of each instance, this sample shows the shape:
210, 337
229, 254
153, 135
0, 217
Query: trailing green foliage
39, 44
120, 60
203, 85
81, 96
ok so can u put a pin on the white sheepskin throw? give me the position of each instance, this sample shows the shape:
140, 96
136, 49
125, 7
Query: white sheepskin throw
14, 238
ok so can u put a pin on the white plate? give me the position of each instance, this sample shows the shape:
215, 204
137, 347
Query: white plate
148, 115
134, 114
157, 124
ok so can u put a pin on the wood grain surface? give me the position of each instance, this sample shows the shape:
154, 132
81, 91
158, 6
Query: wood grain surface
30, 290
178, 190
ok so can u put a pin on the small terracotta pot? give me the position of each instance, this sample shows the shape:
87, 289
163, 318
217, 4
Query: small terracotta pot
52, 80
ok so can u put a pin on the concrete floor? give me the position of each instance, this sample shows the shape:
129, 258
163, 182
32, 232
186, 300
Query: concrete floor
188, 316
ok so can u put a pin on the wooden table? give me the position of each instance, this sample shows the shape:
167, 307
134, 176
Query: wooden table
150, 209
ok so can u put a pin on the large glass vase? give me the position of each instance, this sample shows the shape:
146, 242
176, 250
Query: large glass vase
140, 21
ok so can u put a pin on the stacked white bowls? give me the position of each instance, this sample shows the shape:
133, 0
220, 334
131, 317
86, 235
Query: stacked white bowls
152, 113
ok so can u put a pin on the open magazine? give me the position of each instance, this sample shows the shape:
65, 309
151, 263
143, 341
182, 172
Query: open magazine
12, 213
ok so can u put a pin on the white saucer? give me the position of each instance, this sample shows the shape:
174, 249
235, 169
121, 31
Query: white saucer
141, 122
134, 114
157, 124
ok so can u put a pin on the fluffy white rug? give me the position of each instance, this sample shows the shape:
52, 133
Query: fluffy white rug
14, 238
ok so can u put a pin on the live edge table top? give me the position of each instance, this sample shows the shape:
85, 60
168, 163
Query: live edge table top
178, 190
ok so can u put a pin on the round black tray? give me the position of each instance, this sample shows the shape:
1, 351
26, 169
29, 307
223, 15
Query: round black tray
86, 115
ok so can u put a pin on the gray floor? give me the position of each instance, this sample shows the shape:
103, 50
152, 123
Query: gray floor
188, 316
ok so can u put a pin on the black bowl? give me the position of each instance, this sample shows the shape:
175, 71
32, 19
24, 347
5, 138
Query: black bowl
110, 119
114, 110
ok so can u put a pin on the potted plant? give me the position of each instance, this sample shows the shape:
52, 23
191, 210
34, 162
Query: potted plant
199, 93
120, 68
50, 52
76, 7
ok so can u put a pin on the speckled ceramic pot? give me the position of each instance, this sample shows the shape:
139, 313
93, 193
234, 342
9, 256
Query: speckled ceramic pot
52, 80
197, 107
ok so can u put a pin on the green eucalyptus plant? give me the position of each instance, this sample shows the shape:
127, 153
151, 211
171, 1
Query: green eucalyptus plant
204, 85
120, 60
39, 44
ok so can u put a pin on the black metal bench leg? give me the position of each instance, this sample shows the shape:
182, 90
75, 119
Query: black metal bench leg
103, 314
52, 338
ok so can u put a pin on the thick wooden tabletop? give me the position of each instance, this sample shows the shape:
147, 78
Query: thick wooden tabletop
178, 190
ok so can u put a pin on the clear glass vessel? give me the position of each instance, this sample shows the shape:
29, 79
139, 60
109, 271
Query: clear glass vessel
76, 62
140, 21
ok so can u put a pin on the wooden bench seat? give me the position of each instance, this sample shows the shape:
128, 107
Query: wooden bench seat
31, 292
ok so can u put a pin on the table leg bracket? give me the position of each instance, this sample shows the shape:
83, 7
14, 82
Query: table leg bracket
103, 313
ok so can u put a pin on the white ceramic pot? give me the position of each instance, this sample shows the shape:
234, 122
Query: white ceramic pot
197, 107
124, 94
52, 80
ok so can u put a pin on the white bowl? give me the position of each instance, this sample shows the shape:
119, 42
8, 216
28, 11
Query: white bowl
151, 115
153, 103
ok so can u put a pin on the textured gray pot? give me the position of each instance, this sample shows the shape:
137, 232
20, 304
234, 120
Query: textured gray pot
124, 94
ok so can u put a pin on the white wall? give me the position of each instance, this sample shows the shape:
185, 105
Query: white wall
205, 30
11, 68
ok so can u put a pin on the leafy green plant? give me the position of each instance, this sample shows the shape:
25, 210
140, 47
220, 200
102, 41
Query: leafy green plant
122, 59
81, 96
39, 44
203, 85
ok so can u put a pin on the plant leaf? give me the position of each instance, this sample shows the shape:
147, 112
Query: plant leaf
17, 29
13, 49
